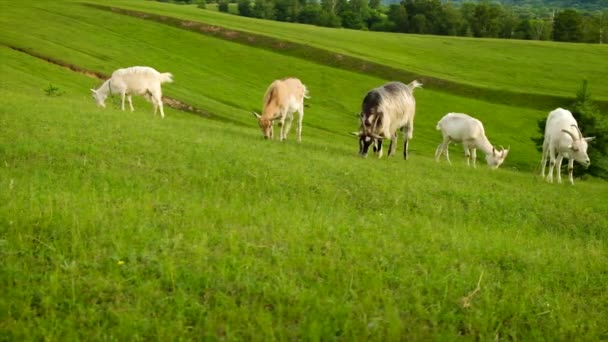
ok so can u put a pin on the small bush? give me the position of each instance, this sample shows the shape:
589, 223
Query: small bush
53, 91
223, 6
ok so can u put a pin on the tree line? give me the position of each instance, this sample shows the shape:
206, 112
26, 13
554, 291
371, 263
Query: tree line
471, 19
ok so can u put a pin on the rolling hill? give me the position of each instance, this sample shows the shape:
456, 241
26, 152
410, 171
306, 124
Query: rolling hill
122, 226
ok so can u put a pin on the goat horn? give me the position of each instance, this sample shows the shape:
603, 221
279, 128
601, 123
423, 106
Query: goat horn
501, 148
358, 134
570, 134
375, 123
579, 132
256, 114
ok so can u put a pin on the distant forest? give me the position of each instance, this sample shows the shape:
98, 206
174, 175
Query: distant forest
585, 5
586, 22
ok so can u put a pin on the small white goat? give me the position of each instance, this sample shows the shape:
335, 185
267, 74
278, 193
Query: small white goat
462, 128
563, 139
281, 100
385, 110
137, 80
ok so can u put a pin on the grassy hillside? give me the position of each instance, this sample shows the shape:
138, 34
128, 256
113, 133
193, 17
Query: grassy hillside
229, 79
521, 66
120, 225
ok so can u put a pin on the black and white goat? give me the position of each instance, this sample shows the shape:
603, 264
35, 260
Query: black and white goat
385, 110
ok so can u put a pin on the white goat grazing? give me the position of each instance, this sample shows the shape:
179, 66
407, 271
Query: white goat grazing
137, 80
281, 100
563, 139
462, 128
385, 110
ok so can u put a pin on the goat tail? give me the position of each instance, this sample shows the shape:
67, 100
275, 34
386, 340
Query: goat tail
166, 77
306, 95
414, 84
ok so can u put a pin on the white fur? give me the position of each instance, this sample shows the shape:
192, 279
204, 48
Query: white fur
563, 139
281, 100
462, 128
137, 80
395, 110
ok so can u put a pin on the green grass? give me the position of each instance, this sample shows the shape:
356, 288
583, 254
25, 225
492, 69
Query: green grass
119, 225
521, 66
229, 79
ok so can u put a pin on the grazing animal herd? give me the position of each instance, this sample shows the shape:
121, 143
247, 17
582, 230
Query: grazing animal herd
384, 111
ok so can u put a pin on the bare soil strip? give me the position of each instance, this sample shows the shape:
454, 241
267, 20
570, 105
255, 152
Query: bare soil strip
169, 101
324, 57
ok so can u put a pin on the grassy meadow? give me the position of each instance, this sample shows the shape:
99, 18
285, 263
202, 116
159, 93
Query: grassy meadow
520, 66
122, 226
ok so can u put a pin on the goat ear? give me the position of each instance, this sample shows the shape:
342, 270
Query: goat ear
493, 151
358, 134
94, 91
589, 138
256, 115
377, 136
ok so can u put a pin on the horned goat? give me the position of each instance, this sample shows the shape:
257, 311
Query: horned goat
385, 110
281, 100
563, 139
462, 128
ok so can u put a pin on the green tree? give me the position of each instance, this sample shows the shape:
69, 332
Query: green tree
568, 26
375, 4
329, 15
264, 9
541, 29
355, 15
310, 14
222, 6
486, 20
245, 8
593, 124
398, 15
595, 27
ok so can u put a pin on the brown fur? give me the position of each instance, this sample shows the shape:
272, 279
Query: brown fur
279, 101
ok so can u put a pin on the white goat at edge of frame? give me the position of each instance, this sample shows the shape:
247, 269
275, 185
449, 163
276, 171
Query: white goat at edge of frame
462, 128
137, 80
281, 100
563, 139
